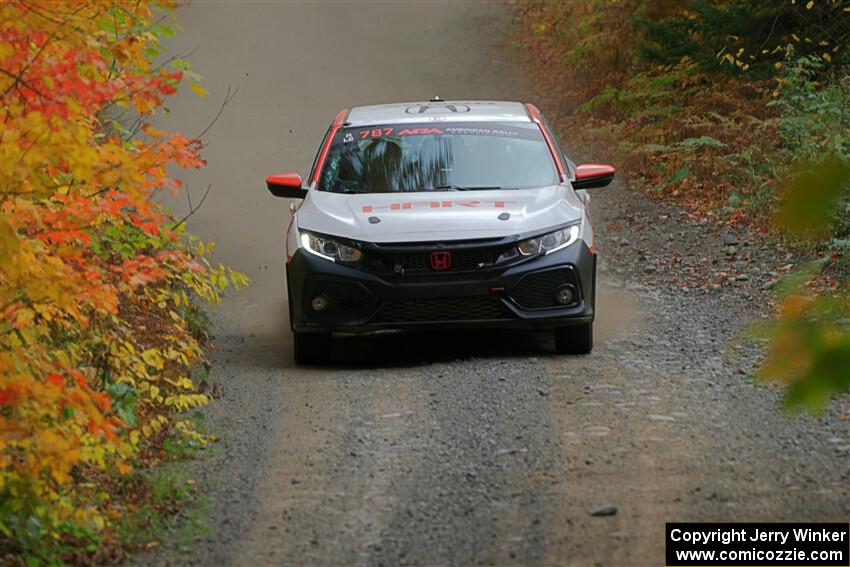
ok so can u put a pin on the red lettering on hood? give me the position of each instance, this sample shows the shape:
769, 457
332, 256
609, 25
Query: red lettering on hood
430, 204
407, 205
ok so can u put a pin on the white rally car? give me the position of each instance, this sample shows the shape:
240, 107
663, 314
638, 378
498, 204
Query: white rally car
436, 214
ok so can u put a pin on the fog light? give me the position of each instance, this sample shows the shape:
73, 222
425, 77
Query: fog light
320, 303
565, 295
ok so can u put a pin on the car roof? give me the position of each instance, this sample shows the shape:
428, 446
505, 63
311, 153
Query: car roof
438, 111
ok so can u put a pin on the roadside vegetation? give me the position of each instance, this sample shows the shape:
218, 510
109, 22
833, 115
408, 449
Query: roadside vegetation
738, 111
103, 333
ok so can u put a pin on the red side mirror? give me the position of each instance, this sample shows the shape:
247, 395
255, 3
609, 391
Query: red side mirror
593, 175
287, 185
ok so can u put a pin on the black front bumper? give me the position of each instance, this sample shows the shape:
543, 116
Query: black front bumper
518, 296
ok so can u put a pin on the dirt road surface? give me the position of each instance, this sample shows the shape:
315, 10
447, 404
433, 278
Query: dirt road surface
471, 448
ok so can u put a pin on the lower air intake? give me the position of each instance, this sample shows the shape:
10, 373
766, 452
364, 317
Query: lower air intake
443, 309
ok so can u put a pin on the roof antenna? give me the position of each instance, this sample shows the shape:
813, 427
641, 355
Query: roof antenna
436, 99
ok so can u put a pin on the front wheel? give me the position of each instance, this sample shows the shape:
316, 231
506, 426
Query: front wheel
575, 339
311, 348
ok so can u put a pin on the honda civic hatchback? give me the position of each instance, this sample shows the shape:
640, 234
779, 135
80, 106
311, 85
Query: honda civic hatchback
439, 214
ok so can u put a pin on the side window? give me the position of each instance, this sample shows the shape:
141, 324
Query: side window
568, 165
318, 153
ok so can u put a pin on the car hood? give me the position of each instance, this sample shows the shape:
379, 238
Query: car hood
451, 215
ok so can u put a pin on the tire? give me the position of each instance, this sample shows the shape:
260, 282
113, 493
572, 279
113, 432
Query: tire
289, 302
311, 349
575, 339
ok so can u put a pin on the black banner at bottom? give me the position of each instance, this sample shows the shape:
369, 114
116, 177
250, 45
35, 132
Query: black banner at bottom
758, 544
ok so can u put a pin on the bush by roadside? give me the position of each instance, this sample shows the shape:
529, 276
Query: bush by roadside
99, 287
736, 110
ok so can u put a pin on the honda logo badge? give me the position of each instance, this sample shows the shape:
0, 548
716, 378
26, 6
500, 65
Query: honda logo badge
441, 260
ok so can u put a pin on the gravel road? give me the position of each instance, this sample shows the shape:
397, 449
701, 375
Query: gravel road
469, 448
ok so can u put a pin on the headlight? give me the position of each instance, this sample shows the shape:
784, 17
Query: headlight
330, 249
545, 244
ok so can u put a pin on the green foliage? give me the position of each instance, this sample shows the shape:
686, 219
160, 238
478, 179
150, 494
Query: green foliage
30, 533
747, 36
681, 174
815, 129
124, 240
689, 33
169, 488
815, 118
124, 398
197, 320
641, 96
608, 94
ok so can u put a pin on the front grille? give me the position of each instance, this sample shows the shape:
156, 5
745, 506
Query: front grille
443, 309
537, 290
419, 262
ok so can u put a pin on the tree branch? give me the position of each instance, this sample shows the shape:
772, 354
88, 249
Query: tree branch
227, 98
192, 209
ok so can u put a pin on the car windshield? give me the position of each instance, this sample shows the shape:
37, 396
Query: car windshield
438, 157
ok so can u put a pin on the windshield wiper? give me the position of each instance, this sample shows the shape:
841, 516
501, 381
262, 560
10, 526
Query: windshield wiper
464, 188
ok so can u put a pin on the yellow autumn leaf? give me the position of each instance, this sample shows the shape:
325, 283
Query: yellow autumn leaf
24, 317
153, 358
201, 91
